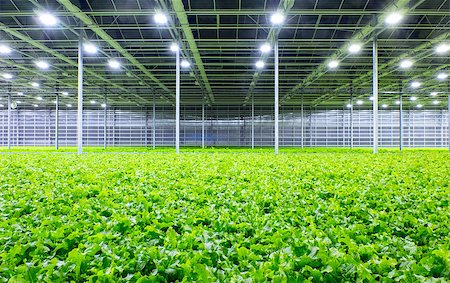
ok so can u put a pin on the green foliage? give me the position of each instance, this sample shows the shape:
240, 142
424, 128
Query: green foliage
323, 217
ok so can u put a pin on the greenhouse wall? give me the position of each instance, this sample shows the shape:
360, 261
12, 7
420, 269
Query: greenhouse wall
134, 127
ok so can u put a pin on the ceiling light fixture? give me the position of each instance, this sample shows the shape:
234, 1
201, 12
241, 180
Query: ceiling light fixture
442, 76
114, 64
260, 64
393, 18
277, 18
333, 64
442, 48
160, 18
7, 76
416, 84
90, 48
406, 64
265, 48
47, 19
355, 48
42, 65
174, 47
4, 49
185, 64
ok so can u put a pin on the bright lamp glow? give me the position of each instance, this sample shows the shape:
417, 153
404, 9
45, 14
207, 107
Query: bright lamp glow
265, 48
442, 76
42, 65
333, 64
160, 18
354, 48
359, 102
174, 47
260, 64
435, 102
413, 98
393, 18
4, 49
35, 84
442, 48
384, 106
185, 64
419, 106
7, 76
114, 64
277, 18
416, 84
65, 93
48, 19
406, 64
433, 93
90, 48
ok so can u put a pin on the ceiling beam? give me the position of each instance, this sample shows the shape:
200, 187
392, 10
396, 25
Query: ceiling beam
368, 30
284, 7
75, 11
178, 7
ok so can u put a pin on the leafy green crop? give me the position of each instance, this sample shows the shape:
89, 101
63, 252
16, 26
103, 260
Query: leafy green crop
322, 217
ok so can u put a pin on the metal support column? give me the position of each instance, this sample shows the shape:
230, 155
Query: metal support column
9, 117
253, 121
351, 120
203, 125
80, 96
57, 120
105, 123
375, 94
301, 123
276, 98
400, 119
177, 104
154, 124
448, 116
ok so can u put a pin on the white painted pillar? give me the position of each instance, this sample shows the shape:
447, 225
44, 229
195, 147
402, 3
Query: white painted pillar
276, 99
375, 94
80, 97
177, 104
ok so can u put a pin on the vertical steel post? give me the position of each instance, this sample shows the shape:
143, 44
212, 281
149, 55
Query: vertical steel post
253, 121
57, 121
203, 125
105, 123
400, 119
154, 123
301, 123
351, 120
9, 117
177, 104
276, 98
80, 96
448, 116
375, 94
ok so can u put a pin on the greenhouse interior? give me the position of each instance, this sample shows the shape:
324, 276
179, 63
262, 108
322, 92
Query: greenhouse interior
224, 141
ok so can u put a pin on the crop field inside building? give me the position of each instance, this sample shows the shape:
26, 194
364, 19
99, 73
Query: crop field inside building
323, 216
